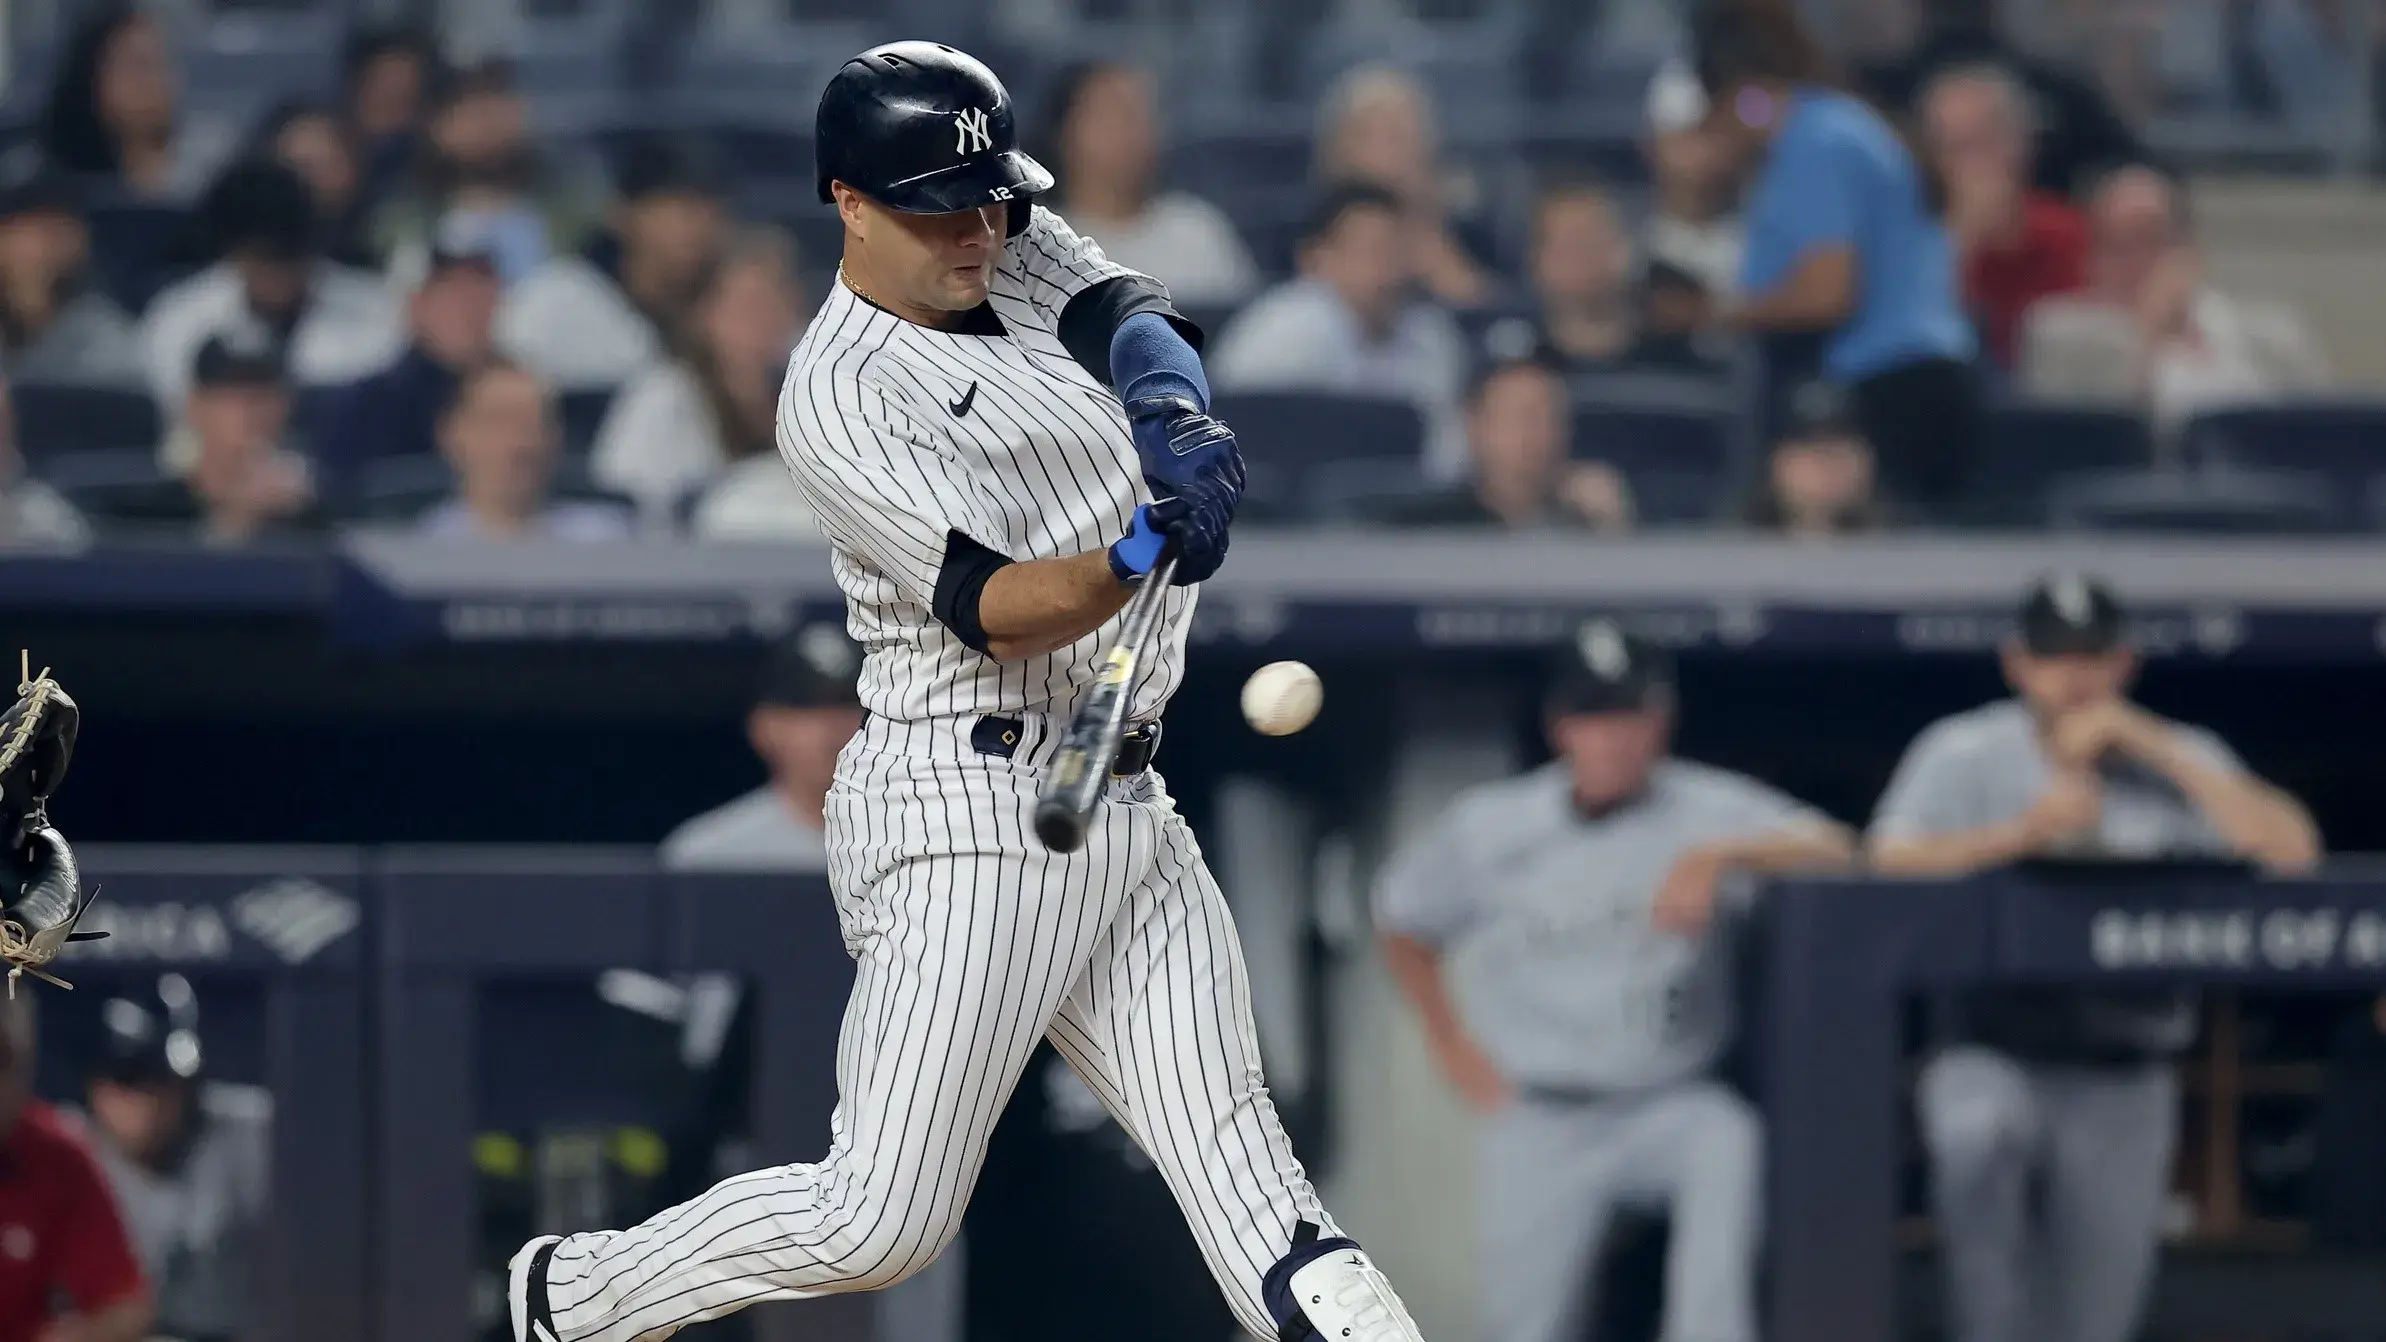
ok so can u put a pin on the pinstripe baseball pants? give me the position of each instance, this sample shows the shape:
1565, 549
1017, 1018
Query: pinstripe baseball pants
972, 942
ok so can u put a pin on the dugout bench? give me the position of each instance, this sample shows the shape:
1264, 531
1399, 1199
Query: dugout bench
1839, 958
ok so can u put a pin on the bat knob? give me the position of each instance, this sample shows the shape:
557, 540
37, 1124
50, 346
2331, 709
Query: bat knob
1060, 827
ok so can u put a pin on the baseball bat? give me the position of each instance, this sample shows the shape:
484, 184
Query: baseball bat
1100, 724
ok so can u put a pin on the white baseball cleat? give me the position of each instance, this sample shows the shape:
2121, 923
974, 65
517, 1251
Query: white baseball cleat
1347, 1299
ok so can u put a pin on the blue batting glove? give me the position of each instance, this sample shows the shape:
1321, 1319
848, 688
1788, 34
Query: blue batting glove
1132, 555
1178, 443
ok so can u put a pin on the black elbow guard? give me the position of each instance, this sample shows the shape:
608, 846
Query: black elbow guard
960, 581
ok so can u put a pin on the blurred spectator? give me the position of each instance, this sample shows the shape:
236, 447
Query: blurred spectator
1565, 939
190, 1160
2018, 244
390, 73
482, 180
1694, 222
808, 707
33, 516
54, 326
1582, 276
1518, 472
2050, 1117
452, 317
2148, 330
310, 140
337, 324
1818, 478
1842, 246
2079, 134
1377, 127
599, 319
1107, 147
69, 1273
1352, 324
1677, 323
113, 112
716, 406
243, 483
499, 434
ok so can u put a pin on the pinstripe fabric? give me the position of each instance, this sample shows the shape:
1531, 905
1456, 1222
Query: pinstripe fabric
972, 943
971, 940
1039, 466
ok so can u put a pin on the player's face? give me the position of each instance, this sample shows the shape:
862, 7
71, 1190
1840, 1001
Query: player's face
1610, 754
2053, 686
930, 262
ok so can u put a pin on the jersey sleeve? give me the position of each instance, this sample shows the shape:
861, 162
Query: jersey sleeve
1050, 263
1932, 792
887, 488
1427, 890
96, 1265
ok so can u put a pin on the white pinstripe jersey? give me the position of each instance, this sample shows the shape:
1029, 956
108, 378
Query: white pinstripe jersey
898, 433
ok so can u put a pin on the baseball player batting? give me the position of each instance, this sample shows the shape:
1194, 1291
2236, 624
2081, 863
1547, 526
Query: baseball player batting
1003, 434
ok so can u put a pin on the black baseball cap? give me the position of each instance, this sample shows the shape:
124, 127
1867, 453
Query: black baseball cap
238, 359
1604, 668
2071, 615
818, 666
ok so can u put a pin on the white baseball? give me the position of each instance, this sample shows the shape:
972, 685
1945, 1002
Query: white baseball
1281, 698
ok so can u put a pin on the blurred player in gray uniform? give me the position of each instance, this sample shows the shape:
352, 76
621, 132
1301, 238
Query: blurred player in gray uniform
805, 710
190, 1161
2050, 1116
1582, 911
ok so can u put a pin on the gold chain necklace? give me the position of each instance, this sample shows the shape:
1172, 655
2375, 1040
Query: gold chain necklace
858, 291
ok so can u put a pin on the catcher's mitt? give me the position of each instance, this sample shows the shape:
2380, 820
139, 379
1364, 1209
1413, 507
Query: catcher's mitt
41, 896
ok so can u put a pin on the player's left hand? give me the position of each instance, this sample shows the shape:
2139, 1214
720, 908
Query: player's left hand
1686, 901
1179, 444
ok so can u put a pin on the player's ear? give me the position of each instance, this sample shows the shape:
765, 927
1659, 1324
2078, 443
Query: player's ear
849, 205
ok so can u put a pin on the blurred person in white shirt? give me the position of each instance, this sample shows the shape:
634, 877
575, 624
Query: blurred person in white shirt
2150, 330
1694, 221
806, 708
712, 412
1378, 126
1106, 142
337, 324
1353, 324
500, 436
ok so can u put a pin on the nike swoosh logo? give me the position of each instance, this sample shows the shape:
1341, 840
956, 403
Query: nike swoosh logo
961, 407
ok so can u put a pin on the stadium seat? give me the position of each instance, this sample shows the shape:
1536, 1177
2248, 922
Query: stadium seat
139, 248
2025, 450
2200, 502
96, 480
1669, 435
58, 418
583, 413
1288, 436
2342, 440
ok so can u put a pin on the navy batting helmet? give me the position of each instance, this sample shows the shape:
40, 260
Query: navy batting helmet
151, 1035
922, 128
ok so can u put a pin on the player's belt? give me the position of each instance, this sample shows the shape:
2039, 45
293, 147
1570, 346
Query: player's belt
1001, 736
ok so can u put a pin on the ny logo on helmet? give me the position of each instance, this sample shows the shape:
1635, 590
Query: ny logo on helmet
971, 134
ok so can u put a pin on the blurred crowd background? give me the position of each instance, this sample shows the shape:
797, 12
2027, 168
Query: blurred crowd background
276, 275
268, 269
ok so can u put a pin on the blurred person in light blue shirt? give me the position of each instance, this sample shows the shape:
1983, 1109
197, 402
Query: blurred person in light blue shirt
499, 434
1844, 248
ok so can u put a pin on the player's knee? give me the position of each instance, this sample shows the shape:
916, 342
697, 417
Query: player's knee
1973, 1109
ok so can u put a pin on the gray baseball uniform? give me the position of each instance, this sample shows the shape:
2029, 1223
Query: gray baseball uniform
1606, 1026
2071, 1094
